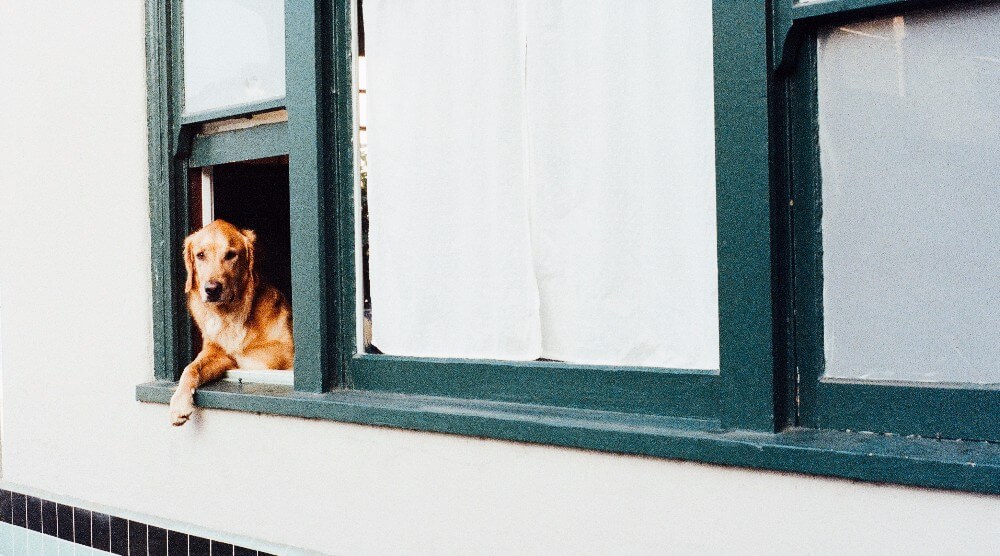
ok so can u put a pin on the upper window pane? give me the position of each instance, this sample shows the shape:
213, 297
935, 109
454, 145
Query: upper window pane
234, 53
909, 116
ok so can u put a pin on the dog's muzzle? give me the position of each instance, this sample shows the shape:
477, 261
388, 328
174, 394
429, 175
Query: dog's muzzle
213, 291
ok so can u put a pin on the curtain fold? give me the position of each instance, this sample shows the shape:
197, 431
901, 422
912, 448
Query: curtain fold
622, 173
450, 258
542, 181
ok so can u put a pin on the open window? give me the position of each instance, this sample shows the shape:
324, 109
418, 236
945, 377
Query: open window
233, 62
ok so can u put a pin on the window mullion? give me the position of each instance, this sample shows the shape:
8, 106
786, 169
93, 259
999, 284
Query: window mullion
743, 165
315, 353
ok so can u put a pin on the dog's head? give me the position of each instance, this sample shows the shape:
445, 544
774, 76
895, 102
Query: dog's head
220, 263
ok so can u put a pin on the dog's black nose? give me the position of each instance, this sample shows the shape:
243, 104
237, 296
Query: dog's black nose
213, 290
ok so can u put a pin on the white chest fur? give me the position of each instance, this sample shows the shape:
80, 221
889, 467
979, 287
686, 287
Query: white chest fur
212, 326
229, 336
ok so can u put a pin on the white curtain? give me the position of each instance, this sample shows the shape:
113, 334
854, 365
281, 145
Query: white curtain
541, 180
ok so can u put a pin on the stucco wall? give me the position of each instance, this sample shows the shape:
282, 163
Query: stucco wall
74, 271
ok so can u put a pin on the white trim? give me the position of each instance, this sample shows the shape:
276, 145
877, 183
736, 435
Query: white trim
207, 196
265, 376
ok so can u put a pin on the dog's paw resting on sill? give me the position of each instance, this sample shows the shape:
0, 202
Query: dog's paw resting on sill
181, 406
245, 323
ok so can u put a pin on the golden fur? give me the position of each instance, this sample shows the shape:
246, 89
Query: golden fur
244, 322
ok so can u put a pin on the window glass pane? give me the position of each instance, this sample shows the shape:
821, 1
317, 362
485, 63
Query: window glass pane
909, 112
234, 53
541, 180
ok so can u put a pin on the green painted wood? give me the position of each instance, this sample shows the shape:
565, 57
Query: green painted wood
743, 167
342, 166
312, 200
931, 410
641, 391
158, 97
785, 35
966, 412
168, 201
806, 231
973, 467
783, 261
260, 141
745, 280
229, 112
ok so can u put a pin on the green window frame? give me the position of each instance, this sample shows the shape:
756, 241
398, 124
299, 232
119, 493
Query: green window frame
745, 415
924, 409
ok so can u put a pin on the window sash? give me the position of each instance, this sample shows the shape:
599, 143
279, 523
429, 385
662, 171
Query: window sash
947, 410
741, 394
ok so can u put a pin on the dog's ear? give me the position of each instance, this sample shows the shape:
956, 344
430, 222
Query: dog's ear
189, 265
250, 241
250, 236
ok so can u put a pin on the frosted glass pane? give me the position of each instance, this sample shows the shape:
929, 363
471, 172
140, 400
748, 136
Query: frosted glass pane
234, 52
909, 113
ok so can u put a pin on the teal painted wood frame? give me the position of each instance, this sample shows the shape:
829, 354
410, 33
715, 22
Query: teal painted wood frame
260, 141
320, 109
741, 394
960, 411
172, 138
745, 165
168, 142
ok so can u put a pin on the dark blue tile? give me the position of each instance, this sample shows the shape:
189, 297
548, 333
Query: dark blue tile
64, 522
49, 518
5, 506
17, 514
221, 549
240, 551
157, 539
81, 526
177, 544
119, 536
101, 531
198, 546
33, 513
136, 537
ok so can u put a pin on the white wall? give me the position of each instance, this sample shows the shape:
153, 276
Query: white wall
74, 270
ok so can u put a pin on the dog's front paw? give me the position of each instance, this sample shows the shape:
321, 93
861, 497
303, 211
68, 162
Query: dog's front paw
181, 406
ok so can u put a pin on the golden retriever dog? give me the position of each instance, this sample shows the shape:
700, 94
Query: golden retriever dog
244, 322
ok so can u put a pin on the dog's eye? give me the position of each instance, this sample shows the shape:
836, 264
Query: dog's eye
230, 255
200, 255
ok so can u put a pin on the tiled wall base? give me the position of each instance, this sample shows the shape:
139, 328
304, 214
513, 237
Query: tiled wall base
18, 541
32, 526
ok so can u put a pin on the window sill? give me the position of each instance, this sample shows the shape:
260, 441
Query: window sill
949, 464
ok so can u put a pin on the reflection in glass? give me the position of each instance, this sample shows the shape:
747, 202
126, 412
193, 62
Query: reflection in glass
234, 53
909, 116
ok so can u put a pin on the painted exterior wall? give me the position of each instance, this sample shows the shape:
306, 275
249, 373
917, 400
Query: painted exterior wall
74, 271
